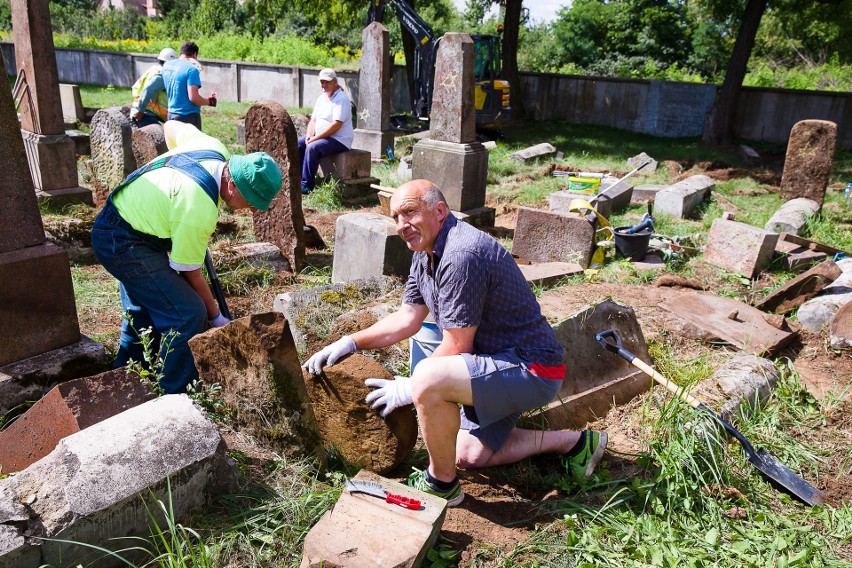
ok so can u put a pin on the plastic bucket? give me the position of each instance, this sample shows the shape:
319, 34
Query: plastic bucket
632, 246
587, 185
423, 343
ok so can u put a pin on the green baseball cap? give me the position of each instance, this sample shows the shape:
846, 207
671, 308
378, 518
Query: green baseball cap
257, 176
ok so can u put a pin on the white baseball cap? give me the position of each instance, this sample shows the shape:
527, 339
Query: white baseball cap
327, 75
167, 54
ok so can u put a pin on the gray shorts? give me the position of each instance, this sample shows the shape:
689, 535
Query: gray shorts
503, 388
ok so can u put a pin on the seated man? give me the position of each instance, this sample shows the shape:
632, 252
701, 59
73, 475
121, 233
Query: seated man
150, 102
330, 130
152, 236
182, 80
498, 356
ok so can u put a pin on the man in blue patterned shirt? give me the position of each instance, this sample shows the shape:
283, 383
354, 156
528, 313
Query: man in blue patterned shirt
498, 356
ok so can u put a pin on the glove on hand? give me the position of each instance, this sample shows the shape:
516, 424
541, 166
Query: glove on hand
390, 394
330, 355
218, 321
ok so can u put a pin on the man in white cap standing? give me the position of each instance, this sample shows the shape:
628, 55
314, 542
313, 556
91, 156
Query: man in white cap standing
330, 130
150, 103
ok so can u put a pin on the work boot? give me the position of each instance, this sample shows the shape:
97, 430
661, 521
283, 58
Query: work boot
422, 481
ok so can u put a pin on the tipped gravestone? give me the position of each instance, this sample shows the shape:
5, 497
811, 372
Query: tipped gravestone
148, 143
112, 150
270, 129
810, 152
347, 422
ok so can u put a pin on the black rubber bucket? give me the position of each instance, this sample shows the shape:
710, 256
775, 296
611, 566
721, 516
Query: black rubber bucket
632, 246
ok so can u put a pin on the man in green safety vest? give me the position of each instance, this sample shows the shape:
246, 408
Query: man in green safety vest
150, 103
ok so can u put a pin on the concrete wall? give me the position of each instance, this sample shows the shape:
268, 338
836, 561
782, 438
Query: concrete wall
659, 108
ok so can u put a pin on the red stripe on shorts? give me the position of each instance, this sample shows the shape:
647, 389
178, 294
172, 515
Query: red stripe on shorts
556, 373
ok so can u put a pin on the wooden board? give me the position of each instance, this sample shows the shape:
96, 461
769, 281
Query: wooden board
810, 245
733, 321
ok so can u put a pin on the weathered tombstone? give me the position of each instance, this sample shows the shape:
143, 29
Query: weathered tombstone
792, 216
148, 142
270, 129
451, 158
373, 129
254, 361
681, 199
640, 159
51, 154
112, 150
550, 236
533, 152
348, 424
738, 247
37, 304
810, 152
365, 245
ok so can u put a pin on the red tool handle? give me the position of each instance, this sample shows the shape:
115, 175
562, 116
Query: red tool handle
406, 502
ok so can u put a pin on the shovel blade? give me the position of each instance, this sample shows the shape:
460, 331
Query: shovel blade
785, 478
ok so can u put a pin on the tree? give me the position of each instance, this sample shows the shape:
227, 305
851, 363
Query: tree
511, 30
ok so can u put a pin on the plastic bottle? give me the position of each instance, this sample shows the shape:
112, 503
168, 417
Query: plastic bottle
848, 193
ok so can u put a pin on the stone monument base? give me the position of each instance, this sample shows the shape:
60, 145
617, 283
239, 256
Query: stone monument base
460, 170
358, 188
373, 141
59, 198
53, 166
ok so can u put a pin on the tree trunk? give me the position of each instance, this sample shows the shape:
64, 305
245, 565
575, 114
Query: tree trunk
719, 126
511, 29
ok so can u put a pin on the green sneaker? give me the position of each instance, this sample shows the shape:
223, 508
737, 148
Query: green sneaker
418, 481
585, 462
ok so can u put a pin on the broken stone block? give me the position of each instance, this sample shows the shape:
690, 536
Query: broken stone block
148, 142
795, 258
746, 379
533, 152
15, 551
640, 159
643, 193
810, 152
738, 247
800, 289
546, 274
481, 217
349, 425
366, 245
816, 313
352, 164
82, 144
111, 140
361, 530
403, 171
66, 409
72, 235
792, 216
333, 299
259, 255
90, 489
683, 198
620, 194
254, 361
840, 328
548, 236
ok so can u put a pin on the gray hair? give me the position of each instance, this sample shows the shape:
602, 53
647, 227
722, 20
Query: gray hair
432, 196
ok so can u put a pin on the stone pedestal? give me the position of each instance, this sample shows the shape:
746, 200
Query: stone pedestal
460, 170
366, 245
373, 141
53, 166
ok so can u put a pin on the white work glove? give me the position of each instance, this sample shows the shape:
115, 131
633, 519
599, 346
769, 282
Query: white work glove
330, 355
218, 321
390, 394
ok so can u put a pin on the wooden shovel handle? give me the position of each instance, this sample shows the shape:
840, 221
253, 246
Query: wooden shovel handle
672, 387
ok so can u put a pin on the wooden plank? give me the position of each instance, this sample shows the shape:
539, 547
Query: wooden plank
738, 323
810, 245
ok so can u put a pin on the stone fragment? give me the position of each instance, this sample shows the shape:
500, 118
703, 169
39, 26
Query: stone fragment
352, 164
619, 194
546, 274
796, 258
800, 289
72, 102
816, 313
810, 152
533, 152
82, 144
792, 216
66, 409
481, 217
840, 328
111, 139
547, 236
403, 171
361, 531
148, 142
348, 424
681, 199
254, 361
373, 131
270, 129
367, 245
98, 485
258, 255
645, 192
453, 112
748, 153
746, 379
640, 159
738, 247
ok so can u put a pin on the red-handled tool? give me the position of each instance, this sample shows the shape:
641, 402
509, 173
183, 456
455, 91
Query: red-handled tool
375, 489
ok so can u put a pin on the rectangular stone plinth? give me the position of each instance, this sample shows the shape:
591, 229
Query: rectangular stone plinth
357, 188
551, 236
460, 170
681, 199
375, 142
52, 160
352, 164
481, 217
738, 247
37, 304
366, 245
547, 274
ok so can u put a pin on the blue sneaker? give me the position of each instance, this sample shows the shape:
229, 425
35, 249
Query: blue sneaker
454, 495
306, 190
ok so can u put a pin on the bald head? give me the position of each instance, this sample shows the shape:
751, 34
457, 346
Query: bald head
423, 190
419, 209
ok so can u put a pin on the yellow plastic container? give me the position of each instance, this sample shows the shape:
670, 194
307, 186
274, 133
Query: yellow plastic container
587, 185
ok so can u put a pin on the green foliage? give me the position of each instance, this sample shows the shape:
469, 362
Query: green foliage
88, 22
5, 15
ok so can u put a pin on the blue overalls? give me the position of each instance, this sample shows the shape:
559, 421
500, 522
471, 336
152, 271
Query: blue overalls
153, 294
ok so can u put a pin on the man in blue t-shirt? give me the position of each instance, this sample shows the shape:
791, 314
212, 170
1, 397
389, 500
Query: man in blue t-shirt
183, 82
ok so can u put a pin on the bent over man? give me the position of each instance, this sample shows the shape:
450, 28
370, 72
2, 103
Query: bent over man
497, 358
150, 102
152, 236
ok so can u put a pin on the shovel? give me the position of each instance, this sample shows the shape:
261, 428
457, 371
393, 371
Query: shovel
217, 288
777, 473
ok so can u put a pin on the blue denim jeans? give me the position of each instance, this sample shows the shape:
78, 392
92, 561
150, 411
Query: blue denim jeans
311, 154
193, 119
153, 294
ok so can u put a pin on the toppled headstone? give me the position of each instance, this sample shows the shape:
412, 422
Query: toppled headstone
270, 129
533, 152
548, 236
254, 361
361, 530
840, 328
547, 274
347, 423
738, 247
259, 255
73, 235
367, 245
816, 313
112, 150
90, 489
645, 192
800, 289
745, 379
810, 152
640, 159
148, 142
66, 409
792, 216
683, 198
